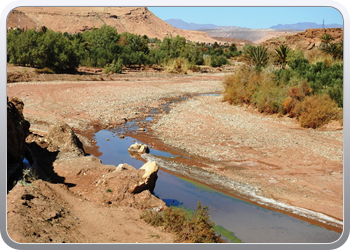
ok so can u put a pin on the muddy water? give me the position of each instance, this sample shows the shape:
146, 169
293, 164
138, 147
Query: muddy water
243, 220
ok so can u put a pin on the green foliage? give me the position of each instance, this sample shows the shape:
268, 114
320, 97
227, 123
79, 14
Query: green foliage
268, 97
177, 47
101, 46
196, 228
296, 91
321, 78
282, 54
114, 67
41, 49
257, 56
334, 49
218, 61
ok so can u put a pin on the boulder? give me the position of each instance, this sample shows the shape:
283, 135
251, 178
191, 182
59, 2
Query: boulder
148, 179
62, 138
138, 148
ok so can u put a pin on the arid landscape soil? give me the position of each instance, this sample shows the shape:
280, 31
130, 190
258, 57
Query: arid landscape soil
300, 167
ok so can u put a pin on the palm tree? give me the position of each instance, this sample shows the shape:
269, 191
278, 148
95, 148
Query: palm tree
282, 54
326, 38
258, 56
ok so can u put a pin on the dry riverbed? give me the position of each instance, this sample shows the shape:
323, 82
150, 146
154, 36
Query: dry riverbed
272, 155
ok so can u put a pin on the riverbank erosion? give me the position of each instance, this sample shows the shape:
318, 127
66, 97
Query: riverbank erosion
66, 195
60, 195
267, 159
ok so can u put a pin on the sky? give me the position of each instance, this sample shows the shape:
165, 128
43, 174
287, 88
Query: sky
250, 17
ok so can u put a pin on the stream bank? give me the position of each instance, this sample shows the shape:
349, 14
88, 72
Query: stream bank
189, 178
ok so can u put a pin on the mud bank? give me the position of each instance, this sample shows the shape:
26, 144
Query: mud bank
241, 190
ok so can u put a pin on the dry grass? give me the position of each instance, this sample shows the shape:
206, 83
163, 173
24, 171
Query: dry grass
316, 110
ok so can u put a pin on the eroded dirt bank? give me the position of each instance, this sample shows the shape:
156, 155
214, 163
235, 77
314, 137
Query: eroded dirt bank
80, 199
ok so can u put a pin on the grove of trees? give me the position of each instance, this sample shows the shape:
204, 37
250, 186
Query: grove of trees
105, 47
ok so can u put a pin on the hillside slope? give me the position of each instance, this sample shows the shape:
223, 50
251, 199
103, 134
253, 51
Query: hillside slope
138, 20
304, 40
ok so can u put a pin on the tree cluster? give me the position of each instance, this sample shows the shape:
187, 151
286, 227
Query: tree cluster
105, 47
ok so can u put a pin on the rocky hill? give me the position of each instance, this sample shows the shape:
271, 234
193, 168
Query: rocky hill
304, 40
138, 20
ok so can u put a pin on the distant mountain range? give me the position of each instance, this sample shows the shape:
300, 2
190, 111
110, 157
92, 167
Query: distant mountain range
305, 25
180, 24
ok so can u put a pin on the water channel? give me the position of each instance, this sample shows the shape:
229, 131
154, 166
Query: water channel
241, 220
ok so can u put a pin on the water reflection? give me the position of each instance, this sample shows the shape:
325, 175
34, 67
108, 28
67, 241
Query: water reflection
248, 222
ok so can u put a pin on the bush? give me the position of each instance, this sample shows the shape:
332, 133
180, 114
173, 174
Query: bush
316, 110
114, 67
178, 65
196, 228
240, 87
218, 61
269, 98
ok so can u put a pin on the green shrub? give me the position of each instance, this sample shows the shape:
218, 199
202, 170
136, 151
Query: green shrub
114, 67
218, 61
269, 98
188, 229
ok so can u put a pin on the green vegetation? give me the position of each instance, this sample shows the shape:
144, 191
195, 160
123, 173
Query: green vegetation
188, 228
41, 49
311, 92
105, 48
227, 235
257, 55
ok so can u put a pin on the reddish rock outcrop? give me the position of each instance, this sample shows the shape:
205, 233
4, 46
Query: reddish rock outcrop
306, 40
17, 131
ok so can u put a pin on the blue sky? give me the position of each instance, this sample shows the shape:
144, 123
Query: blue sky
250, 17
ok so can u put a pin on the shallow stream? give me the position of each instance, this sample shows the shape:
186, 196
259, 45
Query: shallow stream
236, 219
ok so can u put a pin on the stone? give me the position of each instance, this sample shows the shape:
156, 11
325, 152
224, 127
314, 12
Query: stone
62, 138
148, 180
138, 148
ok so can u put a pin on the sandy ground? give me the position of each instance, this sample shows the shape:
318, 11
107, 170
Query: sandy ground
297, 166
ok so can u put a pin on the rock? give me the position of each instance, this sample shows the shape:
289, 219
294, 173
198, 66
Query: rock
138, 148
148, 179
310, 46
122, 136
62, 138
